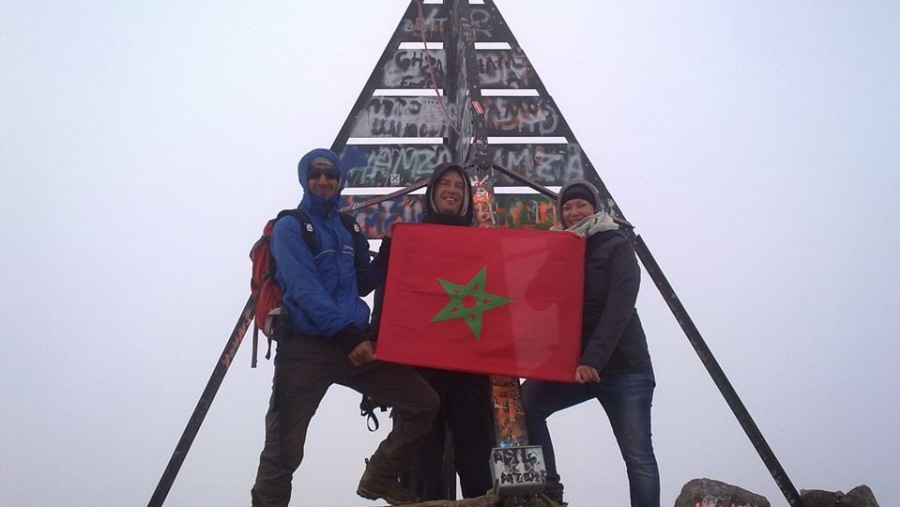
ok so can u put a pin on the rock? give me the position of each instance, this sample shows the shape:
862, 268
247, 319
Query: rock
702, 493
860, 496
819, 498
489, 500
710, 493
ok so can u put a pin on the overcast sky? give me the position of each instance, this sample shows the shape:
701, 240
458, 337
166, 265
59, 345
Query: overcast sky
755, 145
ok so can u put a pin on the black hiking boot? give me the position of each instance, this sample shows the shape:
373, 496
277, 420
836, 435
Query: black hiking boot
373, 486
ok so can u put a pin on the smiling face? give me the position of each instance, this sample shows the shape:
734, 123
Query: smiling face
324, 178
449, 192
575, 209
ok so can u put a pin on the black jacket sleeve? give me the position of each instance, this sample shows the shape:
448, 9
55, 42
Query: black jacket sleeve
378, 301
615, 260
375, 271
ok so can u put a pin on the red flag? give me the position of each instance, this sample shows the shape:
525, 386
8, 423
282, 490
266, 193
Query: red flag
495, 301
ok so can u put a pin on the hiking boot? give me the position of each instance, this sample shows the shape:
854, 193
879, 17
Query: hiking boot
373, 486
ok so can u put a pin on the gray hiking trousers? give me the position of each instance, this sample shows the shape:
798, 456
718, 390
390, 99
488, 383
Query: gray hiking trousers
305, 367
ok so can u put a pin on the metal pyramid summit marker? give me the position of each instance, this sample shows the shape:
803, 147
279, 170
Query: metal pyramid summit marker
453, 84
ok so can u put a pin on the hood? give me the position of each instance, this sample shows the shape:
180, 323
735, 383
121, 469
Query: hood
466, 216
310, 200
572, 183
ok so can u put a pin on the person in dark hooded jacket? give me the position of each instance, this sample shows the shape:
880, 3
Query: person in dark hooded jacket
614, 367
466, 409
326, 341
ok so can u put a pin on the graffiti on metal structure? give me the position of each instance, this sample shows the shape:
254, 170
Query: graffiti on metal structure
518, 465
546, 164
466, 124
403, 117
523, 116
517, 211
509, 413
481, 199
505, 69
375, 219
466, 131
435, 20
238, 335
413, 69
514, 211
395, 165
483, 25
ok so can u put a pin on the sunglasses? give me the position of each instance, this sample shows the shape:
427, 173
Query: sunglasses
330, 172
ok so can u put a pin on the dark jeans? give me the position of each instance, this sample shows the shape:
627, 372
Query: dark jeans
467, 413
626, 398
305, 367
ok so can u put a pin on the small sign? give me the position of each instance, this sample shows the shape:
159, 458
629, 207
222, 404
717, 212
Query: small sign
518, 471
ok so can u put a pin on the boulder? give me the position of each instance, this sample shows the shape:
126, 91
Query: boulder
711, 493
701, 493
860, 496
488, 500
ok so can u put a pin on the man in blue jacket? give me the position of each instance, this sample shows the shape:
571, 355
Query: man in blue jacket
326, 341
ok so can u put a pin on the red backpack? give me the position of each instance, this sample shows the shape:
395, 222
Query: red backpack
268, 311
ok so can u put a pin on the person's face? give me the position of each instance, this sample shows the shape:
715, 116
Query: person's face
323, 179
576, 209
449, 192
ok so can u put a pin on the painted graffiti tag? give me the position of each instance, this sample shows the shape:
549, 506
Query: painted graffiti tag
544, 164
518, 465
403, 117
504, 69
396, 165
483, 24
513, 211
526, 116
414, 68
435, 20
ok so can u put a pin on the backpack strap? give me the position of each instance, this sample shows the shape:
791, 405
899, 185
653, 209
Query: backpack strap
306, 227
359, 240
309, 237
308, 231
367, 409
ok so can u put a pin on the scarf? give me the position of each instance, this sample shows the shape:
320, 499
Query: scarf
590, 225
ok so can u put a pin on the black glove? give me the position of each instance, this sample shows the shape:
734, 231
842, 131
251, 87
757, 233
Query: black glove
348, 338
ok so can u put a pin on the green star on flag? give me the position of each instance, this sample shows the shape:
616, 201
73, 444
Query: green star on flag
460, 294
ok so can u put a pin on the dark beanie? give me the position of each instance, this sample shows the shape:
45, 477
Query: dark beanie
578, 192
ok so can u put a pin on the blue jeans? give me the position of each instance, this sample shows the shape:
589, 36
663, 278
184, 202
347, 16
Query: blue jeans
626, 398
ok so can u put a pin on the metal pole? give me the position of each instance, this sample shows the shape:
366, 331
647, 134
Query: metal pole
715, 371
212, 386
703, 351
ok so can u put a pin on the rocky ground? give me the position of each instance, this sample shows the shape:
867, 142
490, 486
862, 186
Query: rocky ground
703, 493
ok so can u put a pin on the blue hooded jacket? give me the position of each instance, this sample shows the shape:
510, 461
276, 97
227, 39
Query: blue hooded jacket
321, 290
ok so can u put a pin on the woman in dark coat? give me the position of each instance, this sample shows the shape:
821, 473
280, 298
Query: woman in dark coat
614, 367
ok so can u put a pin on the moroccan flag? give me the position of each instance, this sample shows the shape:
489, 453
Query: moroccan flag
495, 301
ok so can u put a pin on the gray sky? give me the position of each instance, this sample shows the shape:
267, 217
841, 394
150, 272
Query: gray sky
755, 145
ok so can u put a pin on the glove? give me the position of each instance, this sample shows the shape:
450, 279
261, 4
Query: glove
348, 338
